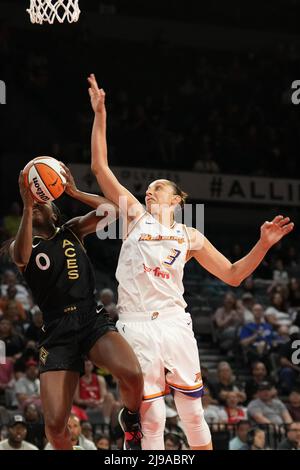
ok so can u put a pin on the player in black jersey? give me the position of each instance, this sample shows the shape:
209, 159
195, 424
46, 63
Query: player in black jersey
54, 263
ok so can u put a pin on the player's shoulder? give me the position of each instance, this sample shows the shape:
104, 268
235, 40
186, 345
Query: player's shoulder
192, 229
136, 223
69, 228
196, 238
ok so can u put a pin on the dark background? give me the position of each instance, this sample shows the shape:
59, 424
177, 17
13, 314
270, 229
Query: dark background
208, 81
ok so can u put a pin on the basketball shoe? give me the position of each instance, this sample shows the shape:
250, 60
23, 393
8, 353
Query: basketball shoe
131, 426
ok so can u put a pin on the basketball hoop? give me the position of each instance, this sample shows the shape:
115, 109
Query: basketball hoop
47, 11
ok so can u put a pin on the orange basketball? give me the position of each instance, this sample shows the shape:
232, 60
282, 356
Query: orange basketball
44, 177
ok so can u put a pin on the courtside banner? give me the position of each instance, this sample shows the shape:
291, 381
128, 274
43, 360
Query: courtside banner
201, 186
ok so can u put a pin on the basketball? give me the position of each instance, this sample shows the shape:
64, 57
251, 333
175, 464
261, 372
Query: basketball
44, 177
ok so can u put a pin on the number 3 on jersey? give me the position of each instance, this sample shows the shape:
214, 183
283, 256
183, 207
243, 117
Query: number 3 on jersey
172, 257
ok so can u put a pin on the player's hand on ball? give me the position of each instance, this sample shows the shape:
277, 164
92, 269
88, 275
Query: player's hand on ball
272, 232
97, 95
25, 192
70, 185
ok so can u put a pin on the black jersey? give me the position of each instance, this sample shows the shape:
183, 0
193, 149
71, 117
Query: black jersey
59, 274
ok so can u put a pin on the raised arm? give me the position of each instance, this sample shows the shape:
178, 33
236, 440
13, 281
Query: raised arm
234, 273
20, 249
90, 223
106, 212
110, 186
92, 200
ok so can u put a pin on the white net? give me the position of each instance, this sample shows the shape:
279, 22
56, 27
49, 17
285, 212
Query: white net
48, 11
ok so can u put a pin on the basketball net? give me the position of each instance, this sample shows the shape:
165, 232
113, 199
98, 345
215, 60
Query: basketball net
47, 11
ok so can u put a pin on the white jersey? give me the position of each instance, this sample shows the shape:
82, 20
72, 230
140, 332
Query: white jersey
150, 268
152, 309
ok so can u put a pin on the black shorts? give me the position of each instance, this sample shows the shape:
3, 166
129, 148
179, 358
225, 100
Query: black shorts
66, 341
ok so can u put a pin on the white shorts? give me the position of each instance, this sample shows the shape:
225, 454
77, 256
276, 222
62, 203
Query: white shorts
166, 348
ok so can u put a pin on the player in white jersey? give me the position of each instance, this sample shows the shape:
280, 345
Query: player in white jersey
152, 309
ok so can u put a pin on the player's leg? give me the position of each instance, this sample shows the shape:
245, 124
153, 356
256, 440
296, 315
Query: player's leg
191, 413
153, 420
184, 376
115, 354
57, 392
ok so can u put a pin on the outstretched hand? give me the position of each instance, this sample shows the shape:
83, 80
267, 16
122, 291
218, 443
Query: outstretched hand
97, 95
272, 232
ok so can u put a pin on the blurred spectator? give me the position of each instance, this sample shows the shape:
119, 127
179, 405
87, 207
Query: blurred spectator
293, 405
17, 432
35, 425
172, 442
77, 437
289, 373
33, 330
256, 440
9, 301
30, 353
106, 298
208, 383
225, 383
7, 382
14, 342
23, 296
283, 335
92, 395
279, 288
279, 273
237, 442
227, 320
292, 441
87, 430
102, 442
234, 412
257, 338
28, 387
259, 374
79, 412
276, 313
213, 414
294, 292
245, 306
12, 314
268, 410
